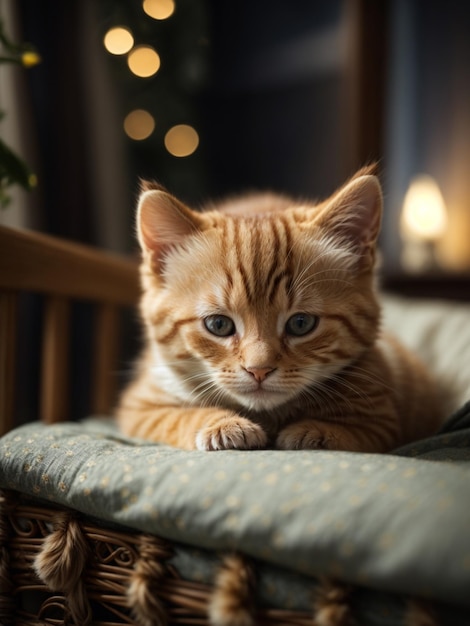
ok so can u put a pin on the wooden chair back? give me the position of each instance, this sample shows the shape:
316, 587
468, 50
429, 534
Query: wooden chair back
62, 272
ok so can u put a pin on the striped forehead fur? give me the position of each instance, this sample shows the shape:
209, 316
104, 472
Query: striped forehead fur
261, 242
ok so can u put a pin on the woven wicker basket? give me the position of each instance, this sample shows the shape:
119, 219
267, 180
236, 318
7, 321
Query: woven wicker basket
98, 586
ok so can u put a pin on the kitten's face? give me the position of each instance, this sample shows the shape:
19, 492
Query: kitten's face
252, 312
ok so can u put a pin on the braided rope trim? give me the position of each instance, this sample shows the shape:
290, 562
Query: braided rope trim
146, 579
232, 602
332, 604
61, 564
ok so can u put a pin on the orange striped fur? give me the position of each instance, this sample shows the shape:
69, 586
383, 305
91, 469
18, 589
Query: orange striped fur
263, 328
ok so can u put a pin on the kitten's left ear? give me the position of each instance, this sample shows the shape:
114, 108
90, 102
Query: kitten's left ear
353, 216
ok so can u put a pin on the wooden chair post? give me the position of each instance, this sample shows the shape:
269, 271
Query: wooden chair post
8, 311
105, 352
54, 382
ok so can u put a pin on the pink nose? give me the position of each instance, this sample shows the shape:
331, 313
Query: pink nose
260, 373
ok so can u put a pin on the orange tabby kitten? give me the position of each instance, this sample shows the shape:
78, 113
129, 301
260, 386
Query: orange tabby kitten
262, 328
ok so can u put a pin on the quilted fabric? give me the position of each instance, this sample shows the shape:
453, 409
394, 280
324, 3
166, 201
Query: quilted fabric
439, 332
394, 522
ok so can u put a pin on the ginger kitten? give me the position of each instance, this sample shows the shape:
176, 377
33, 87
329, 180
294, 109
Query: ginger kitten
262, 328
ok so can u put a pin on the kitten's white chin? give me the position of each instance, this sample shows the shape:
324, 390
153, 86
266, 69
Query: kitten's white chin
261, 400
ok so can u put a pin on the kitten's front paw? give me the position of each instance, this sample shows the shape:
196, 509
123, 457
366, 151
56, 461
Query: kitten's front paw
304, 436
231, 433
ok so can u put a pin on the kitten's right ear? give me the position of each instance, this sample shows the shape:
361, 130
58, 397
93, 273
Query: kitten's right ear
163, 222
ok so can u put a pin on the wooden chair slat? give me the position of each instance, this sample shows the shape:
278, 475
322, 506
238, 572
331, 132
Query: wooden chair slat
8, 315
35, 262
106, 354
54, 383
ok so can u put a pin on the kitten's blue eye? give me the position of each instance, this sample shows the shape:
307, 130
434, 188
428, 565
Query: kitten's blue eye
301, 324
219, 325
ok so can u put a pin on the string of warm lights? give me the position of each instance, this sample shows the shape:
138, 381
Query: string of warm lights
144, 61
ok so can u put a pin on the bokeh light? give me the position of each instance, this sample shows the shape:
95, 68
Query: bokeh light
143, 61
181, 140
118, 40
139, 124
159, 9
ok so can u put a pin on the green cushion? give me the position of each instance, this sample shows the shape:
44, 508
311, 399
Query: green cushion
390, 522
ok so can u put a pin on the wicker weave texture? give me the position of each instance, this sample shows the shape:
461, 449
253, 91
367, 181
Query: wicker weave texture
58, 568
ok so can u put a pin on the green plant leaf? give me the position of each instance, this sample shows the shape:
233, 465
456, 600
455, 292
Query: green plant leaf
13, 169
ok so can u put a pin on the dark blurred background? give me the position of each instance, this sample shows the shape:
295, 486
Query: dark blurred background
213, 98
290, 95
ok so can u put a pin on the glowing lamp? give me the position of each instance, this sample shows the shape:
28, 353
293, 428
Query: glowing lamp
424, 213
423, 223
